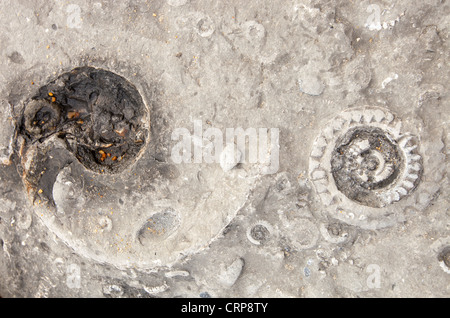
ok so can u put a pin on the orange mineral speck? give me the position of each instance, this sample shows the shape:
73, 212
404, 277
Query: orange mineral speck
73, 114
103, 155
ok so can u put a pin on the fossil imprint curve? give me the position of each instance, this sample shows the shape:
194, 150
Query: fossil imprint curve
149, 232
364, 167
67, 147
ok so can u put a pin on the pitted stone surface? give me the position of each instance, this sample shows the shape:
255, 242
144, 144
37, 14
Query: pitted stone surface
146, 226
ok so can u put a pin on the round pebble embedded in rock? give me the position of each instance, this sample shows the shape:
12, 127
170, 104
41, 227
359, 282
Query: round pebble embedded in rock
158, 226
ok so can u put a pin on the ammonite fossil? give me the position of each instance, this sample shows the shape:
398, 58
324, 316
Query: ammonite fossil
363, 162
84, 152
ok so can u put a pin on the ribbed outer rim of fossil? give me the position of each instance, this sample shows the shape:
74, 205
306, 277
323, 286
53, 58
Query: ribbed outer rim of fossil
263, 223
335, 202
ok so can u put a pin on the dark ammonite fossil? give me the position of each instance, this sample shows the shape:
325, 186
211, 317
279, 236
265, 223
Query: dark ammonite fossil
99, 115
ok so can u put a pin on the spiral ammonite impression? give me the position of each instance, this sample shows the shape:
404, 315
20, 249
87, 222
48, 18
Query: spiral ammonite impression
362, 163
84, 152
